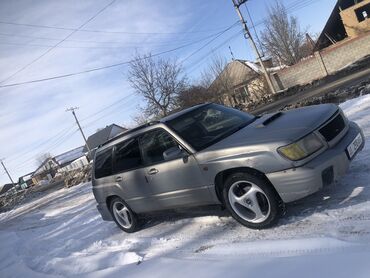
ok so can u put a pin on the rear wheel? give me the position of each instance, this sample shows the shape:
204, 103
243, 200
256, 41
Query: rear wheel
251, 200
124, 217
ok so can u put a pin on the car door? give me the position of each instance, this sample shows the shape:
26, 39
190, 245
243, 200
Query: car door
174, 180
129, 174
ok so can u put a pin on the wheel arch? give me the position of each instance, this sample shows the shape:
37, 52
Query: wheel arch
221, 177
109, 199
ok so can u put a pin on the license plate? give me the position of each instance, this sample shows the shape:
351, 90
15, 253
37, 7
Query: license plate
354, 146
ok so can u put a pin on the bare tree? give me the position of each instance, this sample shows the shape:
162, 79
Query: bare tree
282, 38
194, 95
141, 117
158, 81
217, 78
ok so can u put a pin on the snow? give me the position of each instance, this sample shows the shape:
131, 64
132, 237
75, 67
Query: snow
326, 235
253, 66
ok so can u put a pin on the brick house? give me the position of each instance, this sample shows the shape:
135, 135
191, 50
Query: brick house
349, 19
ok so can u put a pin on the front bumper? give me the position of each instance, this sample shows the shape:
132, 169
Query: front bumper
297, 183
104, 212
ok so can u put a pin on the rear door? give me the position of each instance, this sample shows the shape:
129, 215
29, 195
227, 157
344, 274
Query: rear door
175, 182
129, 174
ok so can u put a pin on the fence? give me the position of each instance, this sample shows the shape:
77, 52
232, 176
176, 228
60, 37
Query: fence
323, 63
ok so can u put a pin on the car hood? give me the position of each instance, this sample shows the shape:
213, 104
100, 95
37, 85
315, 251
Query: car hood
281, 127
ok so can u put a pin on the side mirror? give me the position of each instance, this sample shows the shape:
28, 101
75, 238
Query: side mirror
173, 152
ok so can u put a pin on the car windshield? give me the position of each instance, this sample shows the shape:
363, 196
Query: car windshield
209, 124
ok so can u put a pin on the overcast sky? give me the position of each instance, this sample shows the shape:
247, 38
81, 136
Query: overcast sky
32, 116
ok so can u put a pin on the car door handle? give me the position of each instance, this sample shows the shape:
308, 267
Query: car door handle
153, 171
118, 179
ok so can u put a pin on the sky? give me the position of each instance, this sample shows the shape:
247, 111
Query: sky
33, 117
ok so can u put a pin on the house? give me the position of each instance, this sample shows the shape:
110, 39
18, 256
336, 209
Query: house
25, 181
68, 157
62, 162
46, 171
101, 136
349, 19
6, 188
241, 82
72, 159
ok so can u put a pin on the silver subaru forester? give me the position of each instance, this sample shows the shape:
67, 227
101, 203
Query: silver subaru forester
211, 154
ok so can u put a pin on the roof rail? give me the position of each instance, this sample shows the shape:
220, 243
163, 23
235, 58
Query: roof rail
128, 132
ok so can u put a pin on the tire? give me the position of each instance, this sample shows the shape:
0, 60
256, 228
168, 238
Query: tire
124, 217
251, 200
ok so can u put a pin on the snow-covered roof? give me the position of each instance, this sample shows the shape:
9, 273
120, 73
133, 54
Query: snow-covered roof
70, 156
252, 66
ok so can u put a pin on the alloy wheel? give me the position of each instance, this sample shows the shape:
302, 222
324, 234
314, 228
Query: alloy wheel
122, 214
249, 201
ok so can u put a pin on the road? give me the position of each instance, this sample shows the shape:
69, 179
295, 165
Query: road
317, 91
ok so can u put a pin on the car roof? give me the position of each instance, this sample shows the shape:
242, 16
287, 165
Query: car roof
163, 120
128, 132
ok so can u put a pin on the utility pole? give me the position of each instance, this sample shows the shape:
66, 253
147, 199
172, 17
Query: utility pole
247, 35
6, 171
72, 109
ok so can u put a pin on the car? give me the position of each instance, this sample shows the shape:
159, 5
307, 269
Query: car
211, 154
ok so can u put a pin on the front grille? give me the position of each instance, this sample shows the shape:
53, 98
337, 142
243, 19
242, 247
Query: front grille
333, 128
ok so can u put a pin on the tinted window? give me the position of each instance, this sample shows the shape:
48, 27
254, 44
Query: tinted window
103, 163
127, 156
154, 143
209, 124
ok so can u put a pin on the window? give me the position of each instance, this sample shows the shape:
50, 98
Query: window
154, 143
103, 163
363, 12
209, 124
127, 156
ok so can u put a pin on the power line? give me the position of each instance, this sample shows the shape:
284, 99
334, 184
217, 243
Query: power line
231, 38
67, 47
98, 47
254, 28
107, 107
106, 114
102, 67
66, 134
55, 144
60, 140
100, 42
60, 42
51, 139
295, 6
108, 32
291, 8
209, 42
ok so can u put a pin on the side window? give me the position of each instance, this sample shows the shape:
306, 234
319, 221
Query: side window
127, 156
103, 163
154, 143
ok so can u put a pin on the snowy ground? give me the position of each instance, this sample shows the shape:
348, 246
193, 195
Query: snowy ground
325, 235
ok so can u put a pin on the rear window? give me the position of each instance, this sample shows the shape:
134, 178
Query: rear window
103, 163
127, 156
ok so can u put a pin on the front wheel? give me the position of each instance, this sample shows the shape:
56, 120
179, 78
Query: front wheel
251, 200
124, 217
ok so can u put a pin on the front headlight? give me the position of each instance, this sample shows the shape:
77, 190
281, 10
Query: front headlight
302, 148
